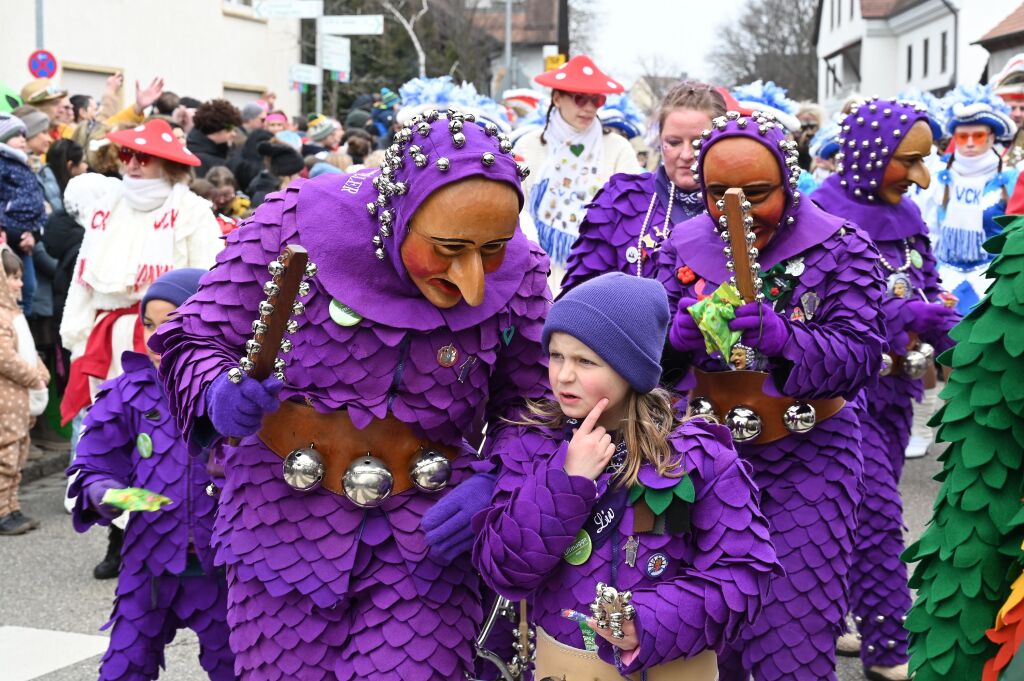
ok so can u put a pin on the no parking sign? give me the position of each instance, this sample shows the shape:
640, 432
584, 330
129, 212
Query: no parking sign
42, 64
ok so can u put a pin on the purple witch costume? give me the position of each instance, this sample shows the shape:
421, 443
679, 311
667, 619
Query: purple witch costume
168, 580
879, 594
626, 224
320, 588
822, 276
692, 591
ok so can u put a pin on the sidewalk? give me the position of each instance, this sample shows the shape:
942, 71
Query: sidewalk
45, 457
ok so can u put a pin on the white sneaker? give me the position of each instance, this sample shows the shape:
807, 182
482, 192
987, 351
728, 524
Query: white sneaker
917, 447
900, 672
848, 645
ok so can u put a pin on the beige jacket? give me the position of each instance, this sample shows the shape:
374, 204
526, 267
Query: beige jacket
16, 375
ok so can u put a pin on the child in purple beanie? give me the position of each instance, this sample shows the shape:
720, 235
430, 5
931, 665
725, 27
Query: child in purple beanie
605, 484
168, 580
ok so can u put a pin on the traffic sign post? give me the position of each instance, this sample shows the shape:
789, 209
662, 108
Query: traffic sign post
336, 55
351, 24
291, 9
42, 64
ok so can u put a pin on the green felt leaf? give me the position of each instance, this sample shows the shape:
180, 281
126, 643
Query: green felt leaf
635, 492
684, 489
994, 475
658, 499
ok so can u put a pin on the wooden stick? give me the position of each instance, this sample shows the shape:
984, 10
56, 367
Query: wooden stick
738, 231
294, 259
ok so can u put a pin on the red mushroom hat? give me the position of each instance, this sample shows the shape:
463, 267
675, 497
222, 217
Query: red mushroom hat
156, 139
581, 74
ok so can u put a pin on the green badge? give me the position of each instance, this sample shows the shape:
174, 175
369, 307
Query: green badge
915, 259
144, 444
344, 315
579, 551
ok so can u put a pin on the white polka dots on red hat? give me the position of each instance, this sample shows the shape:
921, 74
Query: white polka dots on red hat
587, 71
157, 139
140, 128
580, 74
166, 137
613, 84
560, 76
140, 140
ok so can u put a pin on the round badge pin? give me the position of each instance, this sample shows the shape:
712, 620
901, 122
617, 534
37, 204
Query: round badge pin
448, 356
342, 314
579, 551
632, 255
144, 444
915, 259
657, 564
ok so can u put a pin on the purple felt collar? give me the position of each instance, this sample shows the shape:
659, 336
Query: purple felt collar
880, 220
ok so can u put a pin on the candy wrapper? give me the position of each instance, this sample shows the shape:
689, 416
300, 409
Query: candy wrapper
713, 315
135, 499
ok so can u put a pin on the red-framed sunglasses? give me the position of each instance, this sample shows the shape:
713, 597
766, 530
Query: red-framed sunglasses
976, 136
126, 155
582, 100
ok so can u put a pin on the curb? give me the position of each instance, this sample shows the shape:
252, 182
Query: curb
50, 459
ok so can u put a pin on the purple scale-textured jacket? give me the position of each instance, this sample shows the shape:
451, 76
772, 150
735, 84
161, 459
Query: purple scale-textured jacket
614, 221
307, 542
718, 572
127, 408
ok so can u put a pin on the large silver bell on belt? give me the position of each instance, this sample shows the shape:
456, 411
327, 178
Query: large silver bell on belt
799, 417
915, 364
303, 469
744, 423
701, 406
367, 482
430, 471
886, 364
927, 350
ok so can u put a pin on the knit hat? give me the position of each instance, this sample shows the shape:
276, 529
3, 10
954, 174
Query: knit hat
624, 319
389, 98
320, 127
10, 126
284, 160
322, 167
35, 120
175, 287
251, 111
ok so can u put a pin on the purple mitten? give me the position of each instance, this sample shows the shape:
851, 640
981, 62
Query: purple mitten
684, 335
762, 328
94, 493
447, 523
930, 318
237, 409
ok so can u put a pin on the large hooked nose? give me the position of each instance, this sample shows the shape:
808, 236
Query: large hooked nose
467, 273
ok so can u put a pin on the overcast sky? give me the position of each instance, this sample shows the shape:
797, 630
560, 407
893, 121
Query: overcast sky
678, 33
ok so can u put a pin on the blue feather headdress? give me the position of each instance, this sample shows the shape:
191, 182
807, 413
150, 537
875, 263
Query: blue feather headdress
932, 105
422, 94
978, 105
768, 97
620, 112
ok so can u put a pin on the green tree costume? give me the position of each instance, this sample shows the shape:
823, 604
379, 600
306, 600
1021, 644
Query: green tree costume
970, 552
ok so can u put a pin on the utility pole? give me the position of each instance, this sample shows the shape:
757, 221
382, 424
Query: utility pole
39, 25
509, 80
563, 28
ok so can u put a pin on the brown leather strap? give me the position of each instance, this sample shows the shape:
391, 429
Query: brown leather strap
728, 389
339, 442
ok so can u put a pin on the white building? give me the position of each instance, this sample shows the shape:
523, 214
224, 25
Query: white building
885, 46
202, 48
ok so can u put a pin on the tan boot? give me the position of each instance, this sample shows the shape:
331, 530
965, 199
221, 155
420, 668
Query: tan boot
900, 672
848, 645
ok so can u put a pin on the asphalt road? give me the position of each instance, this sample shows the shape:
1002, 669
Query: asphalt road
48, 588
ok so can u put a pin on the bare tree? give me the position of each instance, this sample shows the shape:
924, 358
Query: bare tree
657, 75
409, 24
771, 40
582, 23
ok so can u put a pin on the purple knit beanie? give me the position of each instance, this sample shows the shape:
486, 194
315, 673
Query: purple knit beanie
624, 319
176, 287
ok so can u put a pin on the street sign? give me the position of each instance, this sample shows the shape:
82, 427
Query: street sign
336, 55
42, 64
305, 73
351, 24
289, 9
554, 62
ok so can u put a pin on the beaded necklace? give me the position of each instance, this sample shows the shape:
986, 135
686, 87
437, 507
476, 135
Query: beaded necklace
906, 259
660, 233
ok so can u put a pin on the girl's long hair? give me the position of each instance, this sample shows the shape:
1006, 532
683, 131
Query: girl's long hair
648, 422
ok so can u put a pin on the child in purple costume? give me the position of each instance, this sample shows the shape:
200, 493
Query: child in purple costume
168, 580
320, 588
569, 470
819, 336
871, 195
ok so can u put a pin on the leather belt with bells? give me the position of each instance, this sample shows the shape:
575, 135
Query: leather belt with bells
917, 363
366, 465
736, 398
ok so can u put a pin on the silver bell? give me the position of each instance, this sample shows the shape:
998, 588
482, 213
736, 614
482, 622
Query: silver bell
367, 482
303, 469
744, 423
799, 417
915, 364
927, 350
886, 364
430, 471
701, 406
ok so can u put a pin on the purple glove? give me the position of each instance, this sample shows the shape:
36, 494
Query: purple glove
448, 522
930, 318
94, 494
684, 335
762, 328
237, 409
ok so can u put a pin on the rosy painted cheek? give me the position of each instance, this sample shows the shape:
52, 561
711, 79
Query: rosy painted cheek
423, 263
